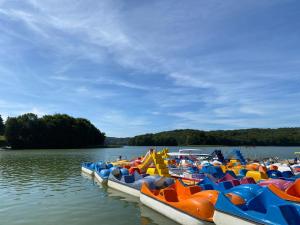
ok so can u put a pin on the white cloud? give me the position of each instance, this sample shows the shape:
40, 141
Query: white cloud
200, 56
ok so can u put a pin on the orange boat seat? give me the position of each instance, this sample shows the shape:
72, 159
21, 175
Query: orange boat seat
294, 189
170, 195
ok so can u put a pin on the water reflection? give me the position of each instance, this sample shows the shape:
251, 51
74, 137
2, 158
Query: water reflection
46, 187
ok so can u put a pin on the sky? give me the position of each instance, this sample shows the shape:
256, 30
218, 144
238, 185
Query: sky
137, 66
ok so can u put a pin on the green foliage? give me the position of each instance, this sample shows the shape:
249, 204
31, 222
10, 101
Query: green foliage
153, 140
116, 141
250, 137
51, 131
2, 127
2, 141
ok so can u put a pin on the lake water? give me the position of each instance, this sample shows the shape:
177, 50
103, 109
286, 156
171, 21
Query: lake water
46, 187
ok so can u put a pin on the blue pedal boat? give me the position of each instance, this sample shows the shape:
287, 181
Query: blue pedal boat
210, 183
264, 208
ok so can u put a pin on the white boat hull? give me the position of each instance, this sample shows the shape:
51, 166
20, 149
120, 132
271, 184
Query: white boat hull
87, 171
170, 212
221, 218
100, 179
123, 188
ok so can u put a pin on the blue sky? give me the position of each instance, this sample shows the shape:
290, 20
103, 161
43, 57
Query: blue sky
135, 66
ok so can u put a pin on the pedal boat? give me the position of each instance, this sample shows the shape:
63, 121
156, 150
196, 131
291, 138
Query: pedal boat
265, 208
88, 168
292, 193
183, 204
131, 183
209, 183
279, 183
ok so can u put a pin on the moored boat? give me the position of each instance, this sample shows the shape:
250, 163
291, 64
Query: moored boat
292, 193
183, 204
88, 168
265, 208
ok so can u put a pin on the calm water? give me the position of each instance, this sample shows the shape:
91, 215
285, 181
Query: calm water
47, 187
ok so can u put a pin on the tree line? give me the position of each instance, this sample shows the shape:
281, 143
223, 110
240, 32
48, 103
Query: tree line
51, 131
247, 137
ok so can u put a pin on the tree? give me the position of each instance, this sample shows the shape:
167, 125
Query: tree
2, 127
51, 131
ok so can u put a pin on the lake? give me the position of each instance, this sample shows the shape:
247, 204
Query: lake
46, 187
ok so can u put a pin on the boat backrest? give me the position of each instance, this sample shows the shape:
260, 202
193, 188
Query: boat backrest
287, 174
263, 200
257, 204
247, 180
137, 176
193, 189
169, 194
206, 186
256, 175
294, 189
225, 185
243, 172
128, 178
229, 175
274, 173
235, 182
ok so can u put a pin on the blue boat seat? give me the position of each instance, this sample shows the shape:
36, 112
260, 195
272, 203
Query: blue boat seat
274, 173
287, 174
206, 187
225, 185
128, 178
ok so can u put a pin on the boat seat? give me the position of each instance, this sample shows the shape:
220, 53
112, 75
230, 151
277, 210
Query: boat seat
294, 189
225, 185
169, 194
256, 175
257, 204
263, 200
274, 173
128, 178
243, 172
235, 182
193, 189
287, 174
247, 180
206, 186
229, 175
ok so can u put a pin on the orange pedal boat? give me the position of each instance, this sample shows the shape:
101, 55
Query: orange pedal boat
184, 204
292, 193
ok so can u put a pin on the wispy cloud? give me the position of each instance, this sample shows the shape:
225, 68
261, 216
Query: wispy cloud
202, 64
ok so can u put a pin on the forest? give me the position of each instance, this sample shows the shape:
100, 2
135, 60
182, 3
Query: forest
51, 131
246, 137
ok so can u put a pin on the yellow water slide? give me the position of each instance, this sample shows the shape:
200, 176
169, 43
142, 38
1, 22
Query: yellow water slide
155, 158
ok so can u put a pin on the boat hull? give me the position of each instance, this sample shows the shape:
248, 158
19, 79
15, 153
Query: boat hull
221, 218
123, 188
87, 171
100, 179
170, 212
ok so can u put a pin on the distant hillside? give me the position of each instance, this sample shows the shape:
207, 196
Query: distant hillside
248, 137
116, 141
